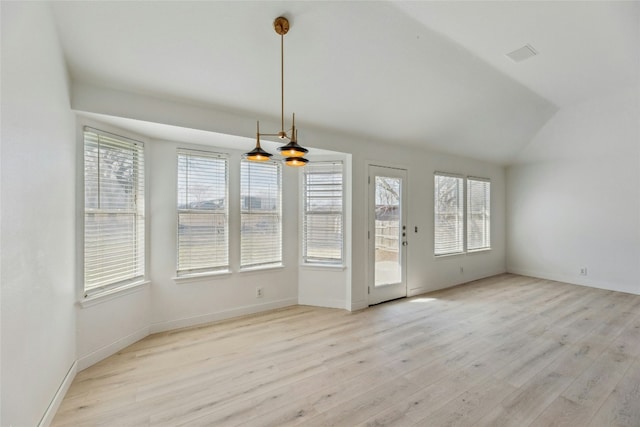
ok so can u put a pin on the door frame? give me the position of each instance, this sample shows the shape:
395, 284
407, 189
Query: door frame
370, 260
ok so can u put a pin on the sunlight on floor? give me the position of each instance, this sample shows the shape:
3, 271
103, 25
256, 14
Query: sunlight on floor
423, 300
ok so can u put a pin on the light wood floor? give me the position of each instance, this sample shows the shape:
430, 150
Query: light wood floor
504, 351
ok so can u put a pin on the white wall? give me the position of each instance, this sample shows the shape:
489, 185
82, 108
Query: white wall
324, 286
425, 272
184, 302
38, 216
573, 202
108, 324
574, 197
111, 324
39, 166
167, 303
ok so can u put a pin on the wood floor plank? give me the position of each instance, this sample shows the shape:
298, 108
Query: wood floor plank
392, 417
622, 408
375, 400
628, 342
502, 351
532, 359
562, 413
467, 408
523, 407
592, 387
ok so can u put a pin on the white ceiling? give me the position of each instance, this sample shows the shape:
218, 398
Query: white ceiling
424, 74
584, 49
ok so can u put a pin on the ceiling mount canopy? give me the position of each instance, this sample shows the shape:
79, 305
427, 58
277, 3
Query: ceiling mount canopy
292, 152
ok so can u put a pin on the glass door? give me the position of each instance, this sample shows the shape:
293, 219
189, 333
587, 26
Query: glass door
387, 234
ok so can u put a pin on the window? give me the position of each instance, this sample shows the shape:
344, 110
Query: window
260, 214
322, 222
448, 215
113, 211
203, 224
478, 214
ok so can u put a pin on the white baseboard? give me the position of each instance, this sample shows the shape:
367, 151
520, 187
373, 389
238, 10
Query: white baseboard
574, 280
110, 349
359, 305
50, 413
461, 281
418, 291
220, 315
322, 302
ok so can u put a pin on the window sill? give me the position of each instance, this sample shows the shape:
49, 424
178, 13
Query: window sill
262, 269
113, 293
323, 267
445, 256
471, 252
188, 278
479, 251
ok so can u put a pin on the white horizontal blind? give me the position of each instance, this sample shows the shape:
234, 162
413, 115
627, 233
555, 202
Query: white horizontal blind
448, 214
478, 214
113, 210
322, 222
260, 214
203, 224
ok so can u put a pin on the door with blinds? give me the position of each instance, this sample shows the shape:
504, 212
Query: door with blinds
387, 234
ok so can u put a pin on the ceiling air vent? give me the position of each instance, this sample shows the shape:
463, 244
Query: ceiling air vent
525, 52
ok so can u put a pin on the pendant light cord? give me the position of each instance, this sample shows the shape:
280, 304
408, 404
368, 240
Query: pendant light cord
282, 82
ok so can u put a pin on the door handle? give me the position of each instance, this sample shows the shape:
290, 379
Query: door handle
405, 243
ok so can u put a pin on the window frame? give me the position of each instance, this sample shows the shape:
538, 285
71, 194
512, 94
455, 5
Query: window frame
205, 271
465, 215
468, 213
461, 215
257, 266
331, 263
88, 297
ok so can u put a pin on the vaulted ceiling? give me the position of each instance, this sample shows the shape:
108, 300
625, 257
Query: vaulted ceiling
425, 74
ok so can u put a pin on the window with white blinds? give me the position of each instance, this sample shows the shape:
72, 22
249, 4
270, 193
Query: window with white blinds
260, 214
478, 214
113, 210
203, 221
448, 214
322, 222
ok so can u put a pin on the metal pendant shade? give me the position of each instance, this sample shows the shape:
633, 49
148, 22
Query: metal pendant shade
292, 149
296, 161
258, 154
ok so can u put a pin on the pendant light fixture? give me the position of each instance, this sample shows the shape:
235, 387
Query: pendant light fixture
292, 152
257, 154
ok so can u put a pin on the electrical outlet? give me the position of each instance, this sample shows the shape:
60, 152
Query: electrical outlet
259, 292
583, 271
